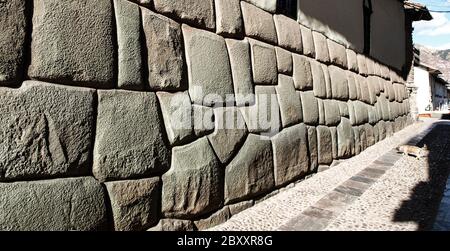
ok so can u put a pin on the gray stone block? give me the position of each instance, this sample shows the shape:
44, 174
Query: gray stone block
165, 57
192, 187
357, 140
352, 60
173, 225
288, 33
352, 86
290, 153
339, 85
369, 135
264, 63
267, 5
215, 219
310, 108
384, 106
362, 67
46, 131
321, 47
343, 109
327, 77
229, 133
210, 79
130, 138
134, 203
284, 61
13, 26
228, 18
241, 70
239, 207
198, 13
176, 111
203, 120
334, 144
361, 113
324, 145
73, 42
331, 112
370, 64
345, 139
53, 205
319, 82
250, 173
365, 92
128, 25
338, 53
307, 42
302, 74
289, 101
321, 112
313, 149
258, 23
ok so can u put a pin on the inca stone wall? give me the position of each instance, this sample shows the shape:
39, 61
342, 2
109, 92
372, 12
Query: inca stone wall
173, 115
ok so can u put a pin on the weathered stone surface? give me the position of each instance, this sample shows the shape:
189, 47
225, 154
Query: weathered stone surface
264, 63
267, 5
343, 109
165, 57
321, 112
365, 92
370, 64
128, 25
72, 42
250, 173
203, 120
352, 60
362, 137
327, 77
310, 108
195, 12
53, 205
357, 140
264, 116
241, 69
376, 133
258, 23
173, 225
134, 203
371, 87
358, 86
228, 17
384, 106
334, 143
46, 130
215, 219
303, 78
284, 61
321, 47
288, 33
192, 187
319, 82
177, 114
352, 87
239, 207
210, 78
290, 153
339, 85
338, 53
360, 113
229, 133
13, 25
362, 67
307, 41
345, 138
130, 136
369, 135
289, 101
324, 145
313, 149
332, 113
373, 115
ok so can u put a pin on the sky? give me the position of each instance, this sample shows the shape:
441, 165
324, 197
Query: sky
435, 33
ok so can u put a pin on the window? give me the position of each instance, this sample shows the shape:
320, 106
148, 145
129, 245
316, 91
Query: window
288, 8
367, 8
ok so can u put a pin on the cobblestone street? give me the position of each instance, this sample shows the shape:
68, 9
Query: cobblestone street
376, 190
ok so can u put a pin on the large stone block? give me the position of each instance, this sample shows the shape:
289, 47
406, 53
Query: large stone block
210, 79
130, 138
352, 87
195, 12
193, 185
321, 112
13, 25
343, 109
365, 91
250, 173
229, 133
369, 135
258, 23
319, 82
72, 42
229, 18
288, 33
289, 101
334, 142
215, 219
241, 69
338, 53
310, 108
339, 85
267, 5
165, 58
327, 77
345, 138
324, 145
357, 140
290, 153
128, 25
331, 112
352, 60
46, 130
53, 205
361, 113
307, 41
176, 111
303, 78
362, 67
203, 120
321, 47
284, 61
134, 203
313, 149
264, 63
384, 107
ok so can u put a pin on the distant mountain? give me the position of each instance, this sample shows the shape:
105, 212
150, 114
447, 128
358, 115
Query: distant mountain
439, 59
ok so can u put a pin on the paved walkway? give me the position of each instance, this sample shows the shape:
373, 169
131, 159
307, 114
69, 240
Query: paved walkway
376, 190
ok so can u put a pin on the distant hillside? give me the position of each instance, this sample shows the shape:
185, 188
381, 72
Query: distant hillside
439, 59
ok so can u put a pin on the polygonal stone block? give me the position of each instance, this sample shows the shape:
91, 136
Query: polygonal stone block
267, 5
198, 13
352, 60
284, 61
313, 149
264, 63
288, 33
303, 78
228, 18
339, 85
258, 23
324, 145
321, 47
307, 42
345, 138
338, 53
289, 101
319, 82
310, 108
331, 112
